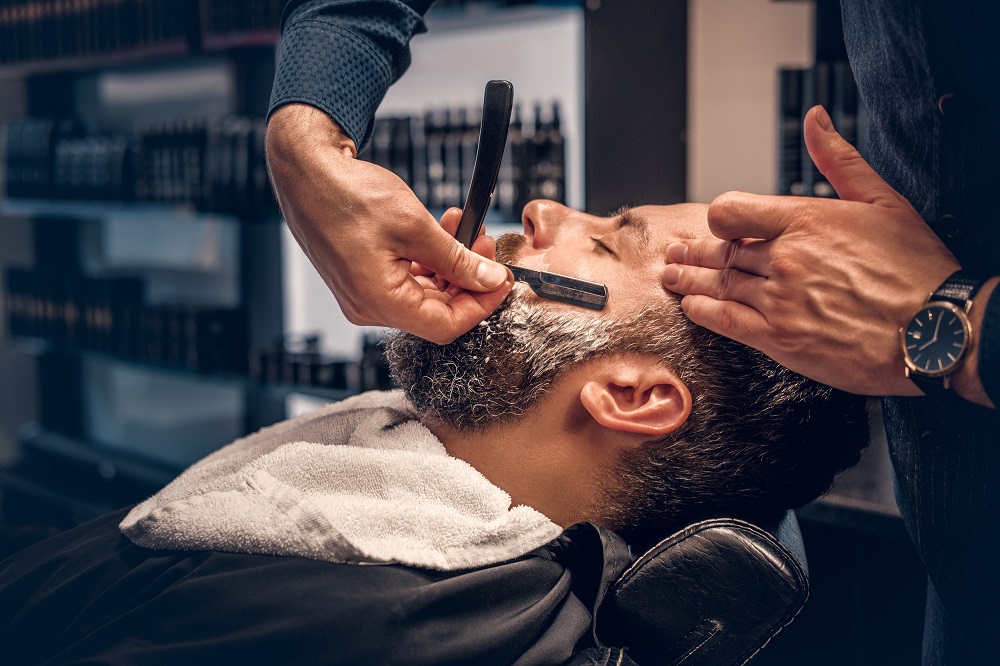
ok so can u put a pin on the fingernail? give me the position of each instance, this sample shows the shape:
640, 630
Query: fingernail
491, 275
672, 275
823, 118
677, 253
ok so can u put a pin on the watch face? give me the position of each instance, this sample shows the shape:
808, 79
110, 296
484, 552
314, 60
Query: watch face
936, 339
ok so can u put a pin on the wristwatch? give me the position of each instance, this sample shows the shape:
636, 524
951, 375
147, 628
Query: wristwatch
938, 336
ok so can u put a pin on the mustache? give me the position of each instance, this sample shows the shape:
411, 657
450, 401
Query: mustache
509, 247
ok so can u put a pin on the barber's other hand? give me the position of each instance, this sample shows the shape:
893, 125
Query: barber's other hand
819, 285
363, 229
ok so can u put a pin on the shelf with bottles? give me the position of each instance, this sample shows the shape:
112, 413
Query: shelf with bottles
186, 166
434, 154
327, 379
54, 311
829, 82
38, 36
228, 24
45, 35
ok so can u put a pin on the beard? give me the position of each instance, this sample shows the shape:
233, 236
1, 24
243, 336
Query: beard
502, 368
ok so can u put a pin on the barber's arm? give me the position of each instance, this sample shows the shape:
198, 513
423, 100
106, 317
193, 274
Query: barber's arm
823, 286
359, 224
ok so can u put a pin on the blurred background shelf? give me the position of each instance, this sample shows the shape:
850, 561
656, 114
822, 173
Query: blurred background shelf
103, 210
92, 62
35, 346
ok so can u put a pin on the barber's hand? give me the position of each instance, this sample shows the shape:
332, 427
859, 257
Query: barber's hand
819, 285
363, 229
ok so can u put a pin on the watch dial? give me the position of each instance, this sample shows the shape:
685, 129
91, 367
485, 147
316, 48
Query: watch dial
935, 340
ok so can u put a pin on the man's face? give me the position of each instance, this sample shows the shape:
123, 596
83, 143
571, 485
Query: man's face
625, 251
500, 369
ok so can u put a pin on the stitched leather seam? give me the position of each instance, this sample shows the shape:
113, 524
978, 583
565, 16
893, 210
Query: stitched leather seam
697, 529
716, 627
777, 628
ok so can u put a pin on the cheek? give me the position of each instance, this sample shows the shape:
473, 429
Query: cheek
629, 291
571, 261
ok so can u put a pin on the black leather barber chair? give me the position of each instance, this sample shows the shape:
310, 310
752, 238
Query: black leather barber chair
714, 593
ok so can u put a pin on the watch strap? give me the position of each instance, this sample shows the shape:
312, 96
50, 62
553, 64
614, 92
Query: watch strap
958, 289
933, 386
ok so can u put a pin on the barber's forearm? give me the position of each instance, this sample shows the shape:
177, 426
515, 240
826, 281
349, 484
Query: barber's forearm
968, 382
294, 127
302, 140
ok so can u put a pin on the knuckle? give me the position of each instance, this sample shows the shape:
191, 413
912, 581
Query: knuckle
355, 318
730, 253
460, 259
727, 278
726, 319
786, 262
362, 319
783, 266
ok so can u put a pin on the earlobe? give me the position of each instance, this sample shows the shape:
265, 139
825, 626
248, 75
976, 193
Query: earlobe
652, 404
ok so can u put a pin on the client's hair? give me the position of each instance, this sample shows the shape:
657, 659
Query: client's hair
760, 440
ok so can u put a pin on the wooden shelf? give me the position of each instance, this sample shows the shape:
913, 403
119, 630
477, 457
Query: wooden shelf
82, 63
102, 210
39, 346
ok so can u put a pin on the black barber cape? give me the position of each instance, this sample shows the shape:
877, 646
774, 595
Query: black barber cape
89, 596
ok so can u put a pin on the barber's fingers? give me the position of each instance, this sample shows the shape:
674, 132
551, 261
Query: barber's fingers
842, 165
452, 218
727, 284
749, 256
438, 251
743, 215
484, 245
727, 318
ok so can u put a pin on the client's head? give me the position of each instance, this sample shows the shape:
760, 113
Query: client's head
631, 417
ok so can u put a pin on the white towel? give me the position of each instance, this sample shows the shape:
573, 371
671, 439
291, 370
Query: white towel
359, 481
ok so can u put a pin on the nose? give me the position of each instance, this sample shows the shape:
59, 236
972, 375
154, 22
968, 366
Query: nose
543, 220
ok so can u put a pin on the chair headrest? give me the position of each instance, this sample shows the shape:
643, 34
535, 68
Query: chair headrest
713, 593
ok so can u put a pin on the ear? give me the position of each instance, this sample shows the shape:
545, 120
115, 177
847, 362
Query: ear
643, 398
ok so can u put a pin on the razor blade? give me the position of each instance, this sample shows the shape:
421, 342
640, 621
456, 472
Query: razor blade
562, 288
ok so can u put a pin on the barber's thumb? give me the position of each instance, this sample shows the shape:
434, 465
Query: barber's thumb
449, 259
841, 163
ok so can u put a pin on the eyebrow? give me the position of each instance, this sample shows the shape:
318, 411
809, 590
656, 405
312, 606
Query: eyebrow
632, 223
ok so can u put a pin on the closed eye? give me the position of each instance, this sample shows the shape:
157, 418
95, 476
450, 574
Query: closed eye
599, 245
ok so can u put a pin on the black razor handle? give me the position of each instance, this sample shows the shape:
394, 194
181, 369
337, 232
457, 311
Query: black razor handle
497, 105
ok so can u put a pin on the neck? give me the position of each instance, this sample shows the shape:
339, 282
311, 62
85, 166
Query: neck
543, 461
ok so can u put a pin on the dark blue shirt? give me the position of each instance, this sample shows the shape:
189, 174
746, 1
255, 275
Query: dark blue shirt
929, 73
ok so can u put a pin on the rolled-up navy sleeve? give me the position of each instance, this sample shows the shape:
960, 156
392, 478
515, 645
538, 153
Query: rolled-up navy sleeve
989, 348
341, 56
